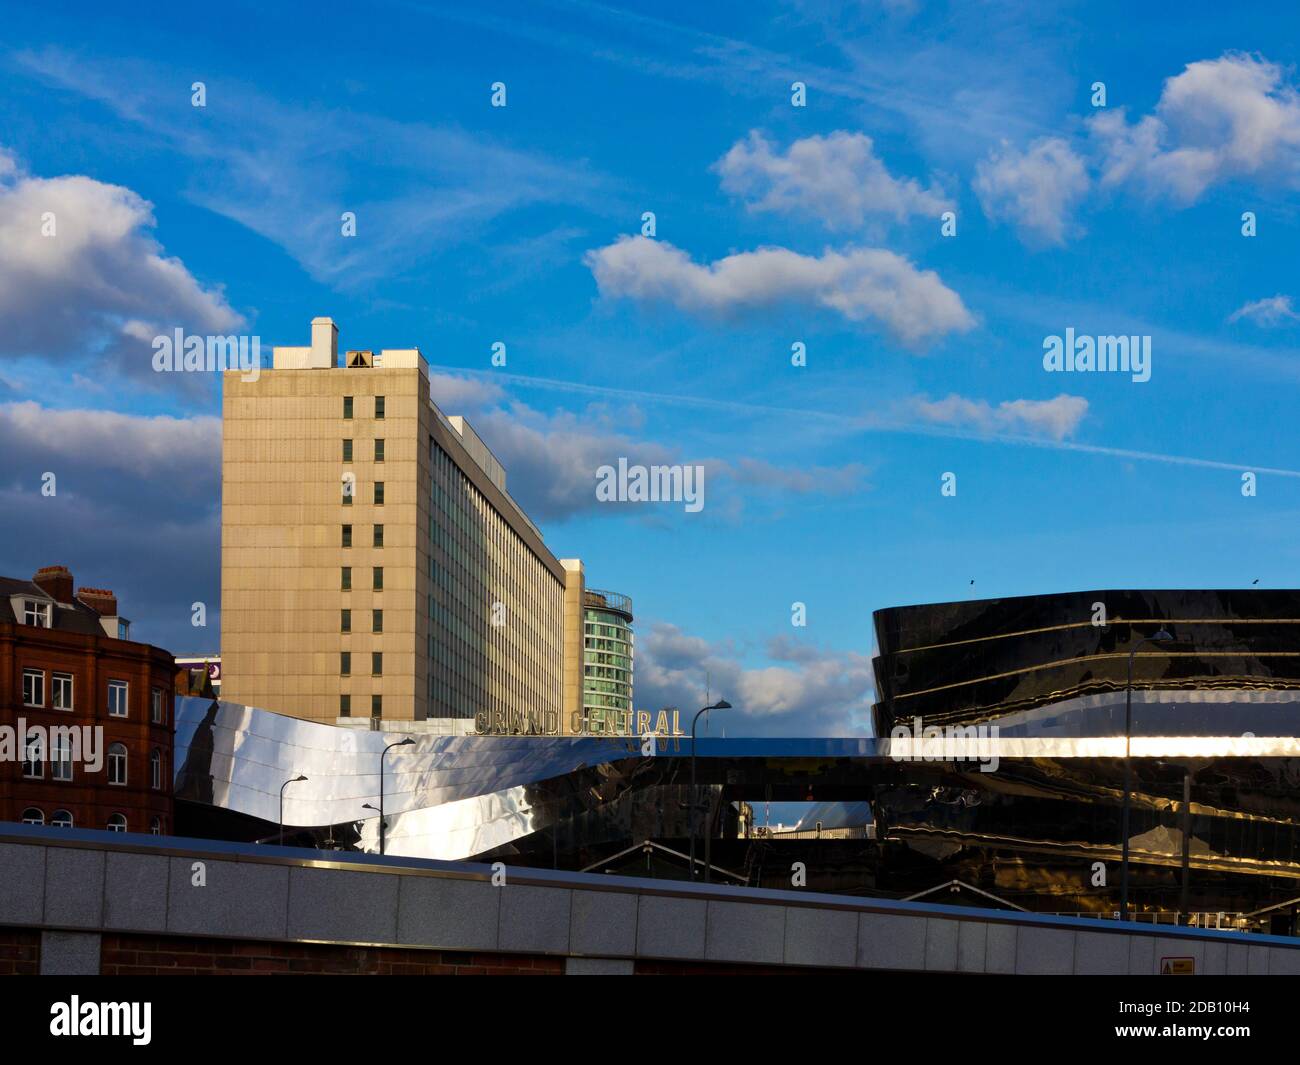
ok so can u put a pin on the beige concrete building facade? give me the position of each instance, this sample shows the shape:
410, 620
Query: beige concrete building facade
374, 567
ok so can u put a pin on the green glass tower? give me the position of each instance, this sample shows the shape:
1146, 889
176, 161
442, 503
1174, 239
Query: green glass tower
607, 662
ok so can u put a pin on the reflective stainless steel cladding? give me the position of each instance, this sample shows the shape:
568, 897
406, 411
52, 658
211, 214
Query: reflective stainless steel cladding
978, 661
1033, 815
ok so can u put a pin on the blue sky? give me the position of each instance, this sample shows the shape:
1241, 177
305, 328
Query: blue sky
774, 224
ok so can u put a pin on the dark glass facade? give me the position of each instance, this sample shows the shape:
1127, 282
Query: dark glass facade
495, 612
978, 661
1214, 720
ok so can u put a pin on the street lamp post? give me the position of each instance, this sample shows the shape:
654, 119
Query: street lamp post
282, 787
1185, 889
400, 743
372, 806
1160, 637
721, 704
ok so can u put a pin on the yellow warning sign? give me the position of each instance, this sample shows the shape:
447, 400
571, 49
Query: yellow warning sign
1177, 966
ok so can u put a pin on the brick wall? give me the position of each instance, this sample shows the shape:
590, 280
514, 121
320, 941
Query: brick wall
667, 967
92, 660
147, 955
20, 951
140, 955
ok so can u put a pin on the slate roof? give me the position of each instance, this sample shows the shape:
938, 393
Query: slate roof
74, 617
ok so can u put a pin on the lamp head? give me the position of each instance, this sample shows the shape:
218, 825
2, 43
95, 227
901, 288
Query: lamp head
721, 704
1162, 636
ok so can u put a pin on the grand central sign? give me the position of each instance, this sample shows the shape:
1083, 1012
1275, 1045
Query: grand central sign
515, 722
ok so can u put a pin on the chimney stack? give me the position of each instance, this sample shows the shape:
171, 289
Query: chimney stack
56, 582
101, 600
324, 343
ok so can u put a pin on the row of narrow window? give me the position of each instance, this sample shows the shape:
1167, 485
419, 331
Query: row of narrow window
377, 574
376, 620
377, 578
376, 705
377, 538
473, 549
34, 815
349, 407
33, 763
347, 449
350, 490
62, 691
376, 663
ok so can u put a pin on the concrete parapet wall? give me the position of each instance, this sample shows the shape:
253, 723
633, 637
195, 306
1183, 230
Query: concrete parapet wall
77, 886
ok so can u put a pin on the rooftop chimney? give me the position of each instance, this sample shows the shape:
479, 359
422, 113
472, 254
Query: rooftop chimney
101, 600
56, 582
324, 343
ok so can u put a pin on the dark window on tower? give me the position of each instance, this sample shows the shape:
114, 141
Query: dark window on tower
379, 578
345, 663
377, 663
347, 578
345, 706
379, 451
379, 406
376, 706
379, 493
347, 450
345, 621
379, 536
347, 406
377, 620
347, 536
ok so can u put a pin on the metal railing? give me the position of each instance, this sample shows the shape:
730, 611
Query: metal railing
600, 600
1223, 920
846, 832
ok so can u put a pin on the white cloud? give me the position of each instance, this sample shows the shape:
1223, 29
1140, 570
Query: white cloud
105, 440
551, 462
288, 173
808, 691
455, 395
101, 283
551, 459
1269, 312
800, 480
1220, 119
136, 509
1036, 190
1057, 418
862, 285
837, 179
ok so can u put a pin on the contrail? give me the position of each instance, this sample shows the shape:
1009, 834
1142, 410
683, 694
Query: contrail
867, 424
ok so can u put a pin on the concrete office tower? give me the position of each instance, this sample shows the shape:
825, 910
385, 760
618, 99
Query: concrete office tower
373, 565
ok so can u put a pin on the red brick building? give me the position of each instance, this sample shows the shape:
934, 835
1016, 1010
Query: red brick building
67, 660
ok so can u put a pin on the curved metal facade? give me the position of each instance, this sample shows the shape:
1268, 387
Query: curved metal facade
1215, 759
1215, 754
445, 796
978, 661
